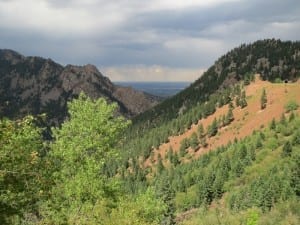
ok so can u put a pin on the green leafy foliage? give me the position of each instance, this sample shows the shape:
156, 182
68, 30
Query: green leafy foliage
80, 148
23, 169
291, 106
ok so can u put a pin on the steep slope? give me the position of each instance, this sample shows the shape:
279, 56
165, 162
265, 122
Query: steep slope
245, 120
274, 59
255, 179
36, 85
247, 170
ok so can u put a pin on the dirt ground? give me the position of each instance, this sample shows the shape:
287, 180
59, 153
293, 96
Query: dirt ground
246, 120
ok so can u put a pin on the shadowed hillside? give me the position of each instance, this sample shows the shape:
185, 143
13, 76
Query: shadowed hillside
33, 85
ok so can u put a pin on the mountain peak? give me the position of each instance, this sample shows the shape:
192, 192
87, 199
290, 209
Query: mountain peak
10, 55
33, 85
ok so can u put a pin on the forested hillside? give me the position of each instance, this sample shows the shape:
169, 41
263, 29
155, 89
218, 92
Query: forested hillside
71, 179
273, 59
239, 163
231, 156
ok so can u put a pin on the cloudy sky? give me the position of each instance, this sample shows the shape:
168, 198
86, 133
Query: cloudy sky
135, 40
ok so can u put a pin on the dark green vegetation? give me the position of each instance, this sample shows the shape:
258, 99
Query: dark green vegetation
34, 85
61, 182
222, 84
273, 59
140, 143
260, 175
93, 172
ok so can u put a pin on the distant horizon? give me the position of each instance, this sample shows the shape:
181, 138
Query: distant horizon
124, 82
158, 88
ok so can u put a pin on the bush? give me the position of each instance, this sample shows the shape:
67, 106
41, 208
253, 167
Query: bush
291, 106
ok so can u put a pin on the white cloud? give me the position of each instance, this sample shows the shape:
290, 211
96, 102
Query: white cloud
151, 73
182, 4
83, 17
283, 30
184, 44
241, 31
38, 15
197, 50
171, 33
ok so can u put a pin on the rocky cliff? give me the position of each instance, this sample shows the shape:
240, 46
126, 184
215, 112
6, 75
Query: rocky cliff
34, 85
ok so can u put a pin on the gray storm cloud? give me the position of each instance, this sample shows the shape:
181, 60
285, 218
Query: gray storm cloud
127, 39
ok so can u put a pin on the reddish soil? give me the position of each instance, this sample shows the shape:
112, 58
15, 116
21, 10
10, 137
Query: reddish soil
245, 120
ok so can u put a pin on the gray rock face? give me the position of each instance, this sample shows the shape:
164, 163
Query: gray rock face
33, 85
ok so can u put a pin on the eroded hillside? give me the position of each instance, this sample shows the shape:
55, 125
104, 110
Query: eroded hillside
246, 119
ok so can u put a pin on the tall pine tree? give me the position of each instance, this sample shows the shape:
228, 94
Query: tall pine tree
263, 99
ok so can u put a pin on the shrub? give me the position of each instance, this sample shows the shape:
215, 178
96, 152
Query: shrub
291, 106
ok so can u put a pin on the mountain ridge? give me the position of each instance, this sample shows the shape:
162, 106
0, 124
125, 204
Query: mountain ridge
271, 58
34, 85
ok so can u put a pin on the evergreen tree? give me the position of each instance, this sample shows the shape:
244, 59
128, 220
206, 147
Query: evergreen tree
167, 195
287, 149
170, 154
203, 142
184, 144
243, 101
231, 105
238, 168
296, 138
292, 117
194, 141
175, 159
283, 119
237, 101
295, 174
247, 80
237, 90
263, 99
273, 124
218, 184
229, 117
160, 165
200, 131
213, 128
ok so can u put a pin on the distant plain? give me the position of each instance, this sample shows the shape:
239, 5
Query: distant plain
161, 89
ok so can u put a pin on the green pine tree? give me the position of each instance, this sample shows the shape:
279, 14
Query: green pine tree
194, 143
287, 149
167, 195
200, 131
213, 128
243, 101
273, 124
263, 99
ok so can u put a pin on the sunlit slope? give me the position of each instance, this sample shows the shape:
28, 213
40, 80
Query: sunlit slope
246, 120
